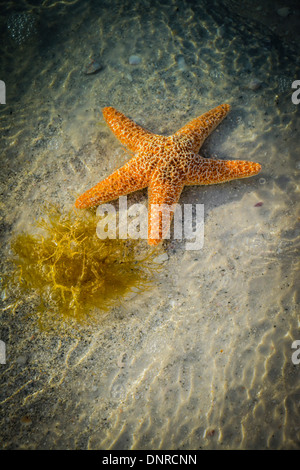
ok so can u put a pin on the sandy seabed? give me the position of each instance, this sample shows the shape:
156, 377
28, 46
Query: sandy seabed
203, 359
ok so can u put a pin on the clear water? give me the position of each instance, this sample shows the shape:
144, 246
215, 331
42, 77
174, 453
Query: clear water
203, 359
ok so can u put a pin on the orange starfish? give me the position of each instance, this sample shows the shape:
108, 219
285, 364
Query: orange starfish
164, 164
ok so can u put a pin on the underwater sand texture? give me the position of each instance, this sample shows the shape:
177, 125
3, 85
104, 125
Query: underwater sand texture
203, 359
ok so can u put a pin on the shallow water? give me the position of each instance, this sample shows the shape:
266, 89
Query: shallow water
204, 358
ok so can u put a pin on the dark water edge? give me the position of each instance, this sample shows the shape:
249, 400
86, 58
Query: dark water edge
204, 359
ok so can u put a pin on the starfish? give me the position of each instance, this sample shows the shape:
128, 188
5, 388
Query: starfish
164, 164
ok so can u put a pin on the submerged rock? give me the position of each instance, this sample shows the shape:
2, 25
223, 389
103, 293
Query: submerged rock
161, 258
134, 60
181, 63
283, 12
255, 84
92, 67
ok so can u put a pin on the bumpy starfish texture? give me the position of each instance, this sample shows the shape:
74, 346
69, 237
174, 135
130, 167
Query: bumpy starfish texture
164, 164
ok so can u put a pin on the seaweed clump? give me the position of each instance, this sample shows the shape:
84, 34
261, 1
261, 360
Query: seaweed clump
73, 271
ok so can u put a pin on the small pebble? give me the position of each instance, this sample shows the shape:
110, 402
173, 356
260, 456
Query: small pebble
26, 420
134, 60
161, 258
21, 360
283, 12
258, 204
254, 84
92, 67
181, 63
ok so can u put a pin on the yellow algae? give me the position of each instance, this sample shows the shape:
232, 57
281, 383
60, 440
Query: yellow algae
73, 271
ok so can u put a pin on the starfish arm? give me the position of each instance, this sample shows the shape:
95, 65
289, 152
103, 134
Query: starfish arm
199, 128
162, 195
208, 171
127, 131
125, 180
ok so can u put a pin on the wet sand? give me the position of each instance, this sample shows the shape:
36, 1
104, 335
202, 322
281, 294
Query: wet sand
203, 359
